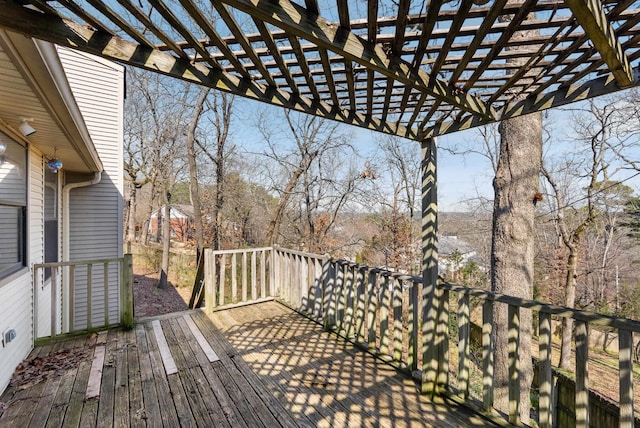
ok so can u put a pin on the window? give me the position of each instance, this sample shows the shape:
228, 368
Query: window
50, 219
13, 205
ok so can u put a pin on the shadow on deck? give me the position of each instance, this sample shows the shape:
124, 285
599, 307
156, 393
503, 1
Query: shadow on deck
275, 368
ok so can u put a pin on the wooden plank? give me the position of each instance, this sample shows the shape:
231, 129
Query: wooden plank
383, 312
106, 402
234, 278
150, 412
204, 345
166, 403
136, 407
270, 410
95, 375
215, 398
165, 352
121, 406
254, 276
184, 390
63, 398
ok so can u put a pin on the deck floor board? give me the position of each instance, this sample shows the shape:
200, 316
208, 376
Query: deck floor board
275, 369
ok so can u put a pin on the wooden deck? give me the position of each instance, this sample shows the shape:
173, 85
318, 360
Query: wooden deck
258, 366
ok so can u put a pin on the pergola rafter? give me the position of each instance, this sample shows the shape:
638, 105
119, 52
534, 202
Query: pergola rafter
419, 70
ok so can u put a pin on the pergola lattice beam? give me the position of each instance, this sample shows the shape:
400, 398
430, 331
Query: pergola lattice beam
68, 33
566, 95
296, 20
592, 18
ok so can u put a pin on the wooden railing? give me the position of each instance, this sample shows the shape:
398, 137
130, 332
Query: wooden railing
82, 294
237, 277
383, 311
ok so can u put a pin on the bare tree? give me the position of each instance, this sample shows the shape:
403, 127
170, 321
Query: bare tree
194, 191
316, 177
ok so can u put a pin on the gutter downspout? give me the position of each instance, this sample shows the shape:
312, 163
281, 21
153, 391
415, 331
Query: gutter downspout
66, 190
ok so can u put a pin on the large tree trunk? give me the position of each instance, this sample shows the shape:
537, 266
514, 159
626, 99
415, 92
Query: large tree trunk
516, 185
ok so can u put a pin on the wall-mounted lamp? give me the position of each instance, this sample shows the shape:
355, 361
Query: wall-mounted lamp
54, 163
3, 150
26, 129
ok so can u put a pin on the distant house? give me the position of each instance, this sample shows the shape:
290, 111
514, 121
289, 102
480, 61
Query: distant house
57, 106
182, 223
454, 253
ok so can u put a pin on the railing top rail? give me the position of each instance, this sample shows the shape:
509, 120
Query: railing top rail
561, 311
242, 250
302, 253
77, 262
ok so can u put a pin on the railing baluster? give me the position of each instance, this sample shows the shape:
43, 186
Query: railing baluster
385, 303
545, 375
361, 305
244, 276
263, 274
372, 308
89, 296
443, 338
222, 277
625, 343
350, 300
414, 327
72, 294
234, 278
582, 374
105, 274
339, 293
54, 300
397, 318
254, 277
327, 295
514, 364
487, 354
464, 328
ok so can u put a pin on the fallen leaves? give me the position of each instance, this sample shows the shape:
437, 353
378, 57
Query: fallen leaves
37, 369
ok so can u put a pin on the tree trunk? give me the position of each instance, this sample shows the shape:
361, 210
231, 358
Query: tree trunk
512, 254
166, 243
570, 301
194, 192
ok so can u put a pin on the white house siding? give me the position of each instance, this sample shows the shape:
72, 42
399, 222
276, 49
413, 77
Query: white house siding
96, 211
15, 307
16, 291
36, 241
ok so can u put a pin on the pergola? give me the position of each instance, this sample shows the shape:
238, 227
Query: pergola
414, 69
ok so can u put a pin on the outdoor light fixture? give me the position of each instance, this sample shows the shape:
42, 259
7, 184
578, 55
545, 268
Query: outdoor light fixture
3, 149
26, 129
54, 163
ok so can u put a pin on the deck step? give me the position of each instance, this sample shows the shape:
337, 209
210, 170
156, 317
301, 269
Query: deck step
167, 359
204, 344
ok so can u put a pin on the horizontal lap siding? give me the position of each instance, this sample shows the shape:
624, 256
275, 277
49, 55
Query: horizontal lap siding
15, 307
96, 211
36, 239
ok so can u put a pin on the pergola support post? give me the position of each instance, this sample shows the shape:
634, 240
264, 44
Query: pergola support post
434, 354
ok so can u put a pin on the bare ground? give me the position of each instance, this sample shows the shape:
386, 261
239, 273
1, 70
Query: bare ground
149, 300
